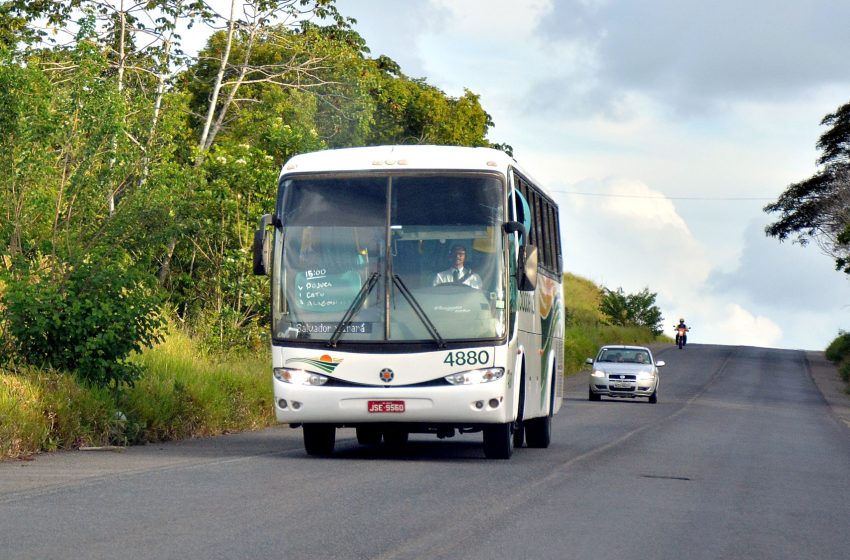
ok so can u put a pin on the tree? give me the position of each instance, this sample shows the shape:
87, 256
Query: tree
818, 208
410, 111
632, 310
74, 298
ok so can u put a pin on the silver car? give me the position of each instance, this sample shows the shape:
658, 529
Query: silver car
624, 372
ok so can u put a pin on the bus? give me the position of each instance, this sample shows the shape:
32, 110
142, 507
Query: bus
372, 328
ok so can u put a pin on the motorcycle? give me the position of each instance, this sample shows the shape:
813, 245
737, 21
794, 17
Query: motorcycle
681, 335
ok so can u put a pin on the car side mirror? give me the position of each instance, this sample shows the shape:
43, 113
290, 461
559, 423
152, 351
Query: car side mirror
589, 361
659, 363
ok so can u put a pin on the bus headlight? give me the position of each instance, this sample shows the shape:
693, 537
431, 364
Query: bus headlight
299, 377
475, 376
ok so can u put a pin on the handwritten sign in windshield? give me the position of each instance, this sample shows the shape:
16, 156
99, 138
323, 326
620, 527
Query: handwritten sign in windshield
319, 291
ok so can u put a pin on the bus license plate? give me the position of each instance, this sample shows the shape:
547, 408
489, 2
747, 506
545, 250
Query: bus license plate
386, 406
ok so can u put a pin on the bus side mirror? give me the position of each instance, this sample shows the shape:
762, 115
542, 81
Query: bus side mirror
526, 259
514, 227
527, 268
262, 246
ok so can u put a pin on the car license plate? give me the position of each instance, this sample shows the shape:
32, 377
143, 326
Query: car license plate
622, 385
386, 406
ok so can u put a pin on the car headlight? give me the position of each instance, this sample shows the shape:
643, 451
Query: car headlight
646, 375
299, 377
475, 376
597, 373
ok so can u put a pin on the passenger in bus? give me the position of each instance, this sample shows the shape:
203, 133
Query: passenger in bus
459, 273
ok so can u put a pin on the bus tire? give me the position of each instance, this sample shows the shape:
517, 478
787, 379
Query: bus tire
394, 437
538, 432
519, 425
519, 435
319, 439
368, 435
498, 441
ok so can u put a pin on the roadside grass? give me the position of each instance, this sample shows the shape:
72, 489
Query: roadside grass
581, 299
184, 393
45, 410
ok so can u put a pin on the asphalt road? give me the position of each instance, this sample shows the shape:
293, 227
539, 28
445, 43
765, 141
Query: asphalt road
741, 458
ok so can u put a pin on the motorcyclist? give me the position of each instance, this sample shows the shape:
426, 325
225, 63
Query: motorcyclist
681, 328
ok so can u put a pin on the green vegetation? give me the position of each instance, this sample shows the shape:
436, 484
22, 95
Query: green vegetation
185, 393
838, 352
589, 327
815, 209
632, 310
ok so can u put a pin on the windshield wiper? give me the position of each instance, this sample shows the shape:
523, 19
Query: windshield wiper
432, 330
355, 306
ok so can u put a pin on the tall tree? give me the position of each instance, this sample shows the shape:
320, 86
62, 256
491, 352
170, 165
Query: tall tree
818, 208
247, 23
410, 111
631, 310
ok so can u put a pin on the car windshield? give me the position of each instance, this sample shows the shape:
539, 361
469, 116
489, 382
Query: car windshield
624, 355
431, 243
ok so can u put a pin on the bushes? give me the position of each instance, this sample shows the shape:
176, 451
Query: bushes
86, 318
839, 349
838, 352
182, 394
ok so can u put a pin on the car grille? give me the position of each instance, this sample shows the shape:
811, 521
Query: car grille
615, 379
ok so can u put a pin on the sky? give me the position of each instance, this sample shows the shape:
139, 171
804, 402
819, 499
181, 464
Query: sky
662, 128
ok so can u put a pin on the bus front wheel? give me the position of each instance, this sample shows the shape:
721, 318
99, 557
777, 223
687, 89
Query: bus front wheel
538, 432
319, 439
498, 441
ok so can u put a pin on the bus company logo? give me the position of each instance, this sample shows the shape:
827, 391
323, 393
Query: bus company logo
325, 363
386, 375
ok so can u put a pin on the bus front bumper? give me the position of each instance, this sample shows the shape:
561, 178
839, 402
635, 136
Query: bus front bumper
485, 403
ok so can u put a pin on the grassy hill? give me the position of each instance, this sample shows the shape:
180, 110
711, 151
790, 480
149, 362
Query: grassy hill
189, 393
586, 330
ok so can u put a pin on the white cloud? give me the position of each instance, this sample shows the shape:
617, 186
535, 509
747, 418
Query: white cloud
629, 235
497, 18
734, 325
644, 208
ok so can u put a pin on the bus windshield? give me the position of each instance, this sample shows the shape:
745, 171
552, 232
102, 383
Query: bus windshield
390, 258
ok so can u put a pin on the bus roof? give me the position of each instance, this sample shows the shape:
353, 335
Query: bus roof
403, 157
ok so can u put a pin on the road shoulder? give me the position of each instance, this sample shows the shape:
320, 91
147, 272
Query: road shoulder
825, 375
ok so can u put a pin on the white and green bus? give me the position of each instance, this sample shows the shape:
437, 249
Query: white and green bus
373, 329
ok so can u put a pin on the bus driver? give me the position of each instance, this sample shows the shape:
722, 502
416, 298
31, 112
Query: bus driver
458, 273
